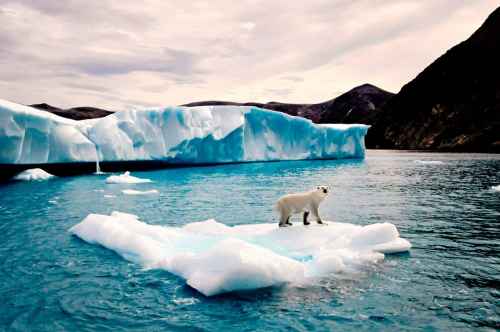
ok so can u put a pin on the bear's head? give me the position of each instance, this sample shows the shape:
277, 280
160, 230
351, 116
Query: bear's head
323, 190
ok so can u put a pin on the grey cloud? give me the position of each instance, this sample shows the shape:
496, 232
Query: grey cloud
169, 61
279, 92
293, 78
98, 51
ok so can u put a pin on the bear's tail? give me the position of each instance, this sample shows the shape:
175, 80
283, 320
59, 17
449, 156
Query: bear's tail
277, 207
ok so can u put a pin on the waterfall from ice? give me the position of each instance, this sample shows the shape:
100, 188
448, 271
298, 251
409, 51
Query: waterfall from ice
97, 166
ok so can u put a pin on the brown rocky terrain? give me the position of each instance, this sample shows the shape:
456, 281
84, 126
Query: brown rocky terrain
454, 104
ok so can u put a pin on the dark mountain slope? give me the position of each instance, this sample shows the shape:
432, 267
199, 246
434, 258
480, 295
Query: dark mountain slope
454, 104
355, 106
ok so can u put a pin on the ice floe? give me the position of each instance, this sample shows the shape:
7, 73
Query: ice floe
140, 192
33, 174
215, 258
126, 178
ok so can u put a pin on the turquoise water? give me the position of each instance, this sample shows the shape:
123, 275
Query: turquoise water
52, 281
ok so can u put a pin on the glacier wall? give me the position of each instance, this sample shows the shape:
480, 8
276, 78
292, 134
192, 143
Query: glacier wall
177, 135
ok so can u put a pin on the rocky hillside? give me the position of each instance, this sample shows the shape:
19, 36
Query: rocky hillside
75, 113
454, 104
358, 105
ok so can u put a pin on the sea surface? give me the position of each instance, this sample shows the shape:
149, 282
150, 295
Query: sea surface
53, 281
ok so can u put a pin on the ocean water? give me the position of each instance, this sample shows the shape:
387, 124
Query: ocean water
443, 203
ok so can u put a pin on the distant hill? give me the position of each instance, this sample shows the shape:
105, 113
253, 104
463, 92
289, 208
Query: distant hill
454, 104
358, 105
75, 113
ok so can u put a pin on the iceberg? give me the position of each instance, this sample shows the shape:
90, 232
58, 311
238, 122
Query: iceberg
215, 258
173, 135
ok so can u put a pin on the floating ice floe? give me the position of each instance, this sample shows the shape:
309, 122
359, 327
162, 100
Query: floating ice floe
173, 135
126, 178
495, 188
429, 162
140, 192
214, 258
33, 174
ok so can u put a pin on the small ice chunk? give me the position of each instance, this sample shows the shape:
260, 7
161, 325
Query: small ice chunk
139, 192
215, 258
429, 162
33, 174
495, 188
126, 178
109, 196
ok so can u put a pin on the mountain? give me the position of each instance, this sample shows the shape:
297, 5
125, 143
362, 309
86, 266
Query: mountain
454, 104
358, 105
75, 113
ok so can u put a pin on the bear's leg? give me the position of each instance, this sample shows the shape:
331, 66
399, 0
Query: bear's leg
283, 220
306, 214
316, 214
288, 221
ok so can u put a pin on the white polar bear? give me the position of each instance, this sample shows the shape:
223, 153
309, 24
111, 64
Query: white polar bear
301, 202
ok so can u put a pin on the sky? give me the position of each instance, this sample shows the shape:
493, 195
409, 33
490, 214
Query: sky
124, 54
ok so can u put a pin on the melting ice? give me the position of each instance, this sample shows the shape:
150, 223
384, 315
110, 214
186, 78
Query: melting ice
214, 258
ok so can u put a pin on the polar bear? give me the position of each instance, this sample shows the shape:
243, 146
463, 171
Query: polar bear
307, 202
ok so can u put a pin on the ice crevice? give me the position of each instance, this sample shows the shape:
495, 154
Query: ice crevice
215, 258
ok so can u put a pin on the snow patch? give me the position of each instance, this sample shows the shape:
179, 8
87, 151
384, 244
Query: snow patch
126, 178
33, 174
215, 258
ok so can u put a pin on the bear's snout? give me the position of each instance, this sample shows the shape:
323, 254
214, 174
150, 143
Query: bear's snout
325, 190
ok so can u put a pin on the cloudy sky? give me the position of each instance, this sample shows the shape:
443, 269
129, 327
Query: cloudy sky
119, 54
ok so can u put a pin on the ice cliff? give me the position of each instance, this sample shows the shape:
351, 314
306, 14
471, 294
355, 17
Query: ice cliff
177, 135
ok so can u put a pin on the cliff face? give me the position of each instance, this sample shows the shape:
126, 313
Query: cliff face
358, 105
454, 104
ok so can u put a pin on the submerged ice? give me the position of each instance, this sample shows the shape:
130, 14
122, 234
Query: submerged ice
178, 135
214, 258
